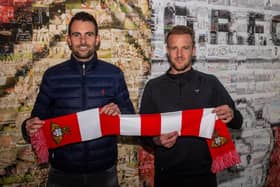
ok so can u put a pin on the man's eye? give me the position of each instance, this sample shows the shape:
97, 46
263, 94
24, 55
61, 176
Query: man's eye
75, 34
90, 34
172, 48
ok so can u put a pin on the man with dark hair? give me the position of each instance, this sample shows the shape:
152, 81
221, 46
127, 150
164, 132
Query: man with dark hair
78, 84
185, 161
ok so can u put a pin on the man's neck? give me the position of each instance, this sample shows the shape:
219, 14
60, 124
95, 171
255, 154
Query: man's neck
82, 59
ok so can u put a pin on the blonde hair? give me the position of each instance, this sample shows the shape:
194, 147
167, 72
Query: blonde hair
181, 29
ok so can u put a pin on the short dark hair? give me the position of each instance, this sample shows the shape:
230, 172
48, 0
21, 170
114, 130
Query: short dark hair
83, 16
182, 29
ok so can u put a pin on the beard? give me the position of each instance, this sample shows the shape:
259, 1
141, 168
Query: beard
180, 67
83, 55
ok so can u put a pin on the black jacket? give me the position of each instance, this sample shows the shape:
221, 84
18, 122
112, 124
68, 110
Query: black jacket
75, 86
190, 90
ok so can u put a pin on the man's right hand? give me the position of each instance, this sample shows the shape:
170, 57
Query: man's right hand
32, 125
166, 140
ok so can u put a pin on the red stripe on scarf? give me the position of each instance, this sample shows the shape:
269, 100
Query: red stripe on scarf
110, 125
191, 122
150, 124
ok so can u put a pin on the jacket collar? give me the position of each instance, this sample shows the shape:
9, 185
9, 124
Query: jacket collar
78, 64
182, 78
188, 75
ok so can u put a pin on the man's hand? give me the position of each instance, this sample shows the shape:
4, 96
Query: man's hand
166, 140
224, 113
32, 125
110, 109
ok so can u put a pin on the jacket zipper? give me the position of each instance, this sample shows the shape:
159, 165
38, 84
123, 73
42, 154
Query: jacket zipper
84, 85
84, 104
84, 69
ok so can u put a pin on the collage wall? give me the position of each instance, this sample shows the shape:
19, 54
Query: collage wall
237, 40
32, 38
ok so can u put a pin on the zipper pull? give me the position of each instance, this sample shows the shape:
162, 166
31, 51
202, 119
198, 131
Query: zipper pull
84, 69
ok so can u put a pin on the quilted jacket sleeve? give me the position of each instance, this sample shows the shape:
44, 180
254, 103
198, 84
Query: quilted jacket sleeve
122, 98
41, 107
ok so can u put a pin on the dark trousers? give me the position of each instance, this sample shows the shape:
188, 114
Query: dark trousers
167, 180
107, 178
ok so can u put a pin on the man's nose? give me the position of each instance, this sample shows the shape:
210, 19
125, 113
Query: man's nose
179, 52
83, 38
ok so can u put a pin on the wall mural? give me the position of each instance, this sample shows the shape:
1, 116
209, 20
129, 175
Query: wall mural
32, 38
237, 40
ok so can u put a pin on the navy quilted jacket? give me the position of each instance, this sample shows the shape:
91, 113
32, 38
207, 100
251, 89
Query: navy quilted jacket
74, 86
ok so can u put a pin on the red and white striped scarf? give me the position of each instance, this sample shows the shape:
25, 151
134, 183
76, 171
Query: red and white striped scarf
90, 124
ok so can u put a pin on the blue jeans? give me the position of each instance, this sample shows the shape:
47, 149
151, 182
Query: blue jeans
107, 178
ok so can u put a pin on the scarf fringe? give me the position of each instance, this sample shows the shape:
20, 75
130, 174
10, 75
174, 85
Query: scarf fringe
40, 146
225, 161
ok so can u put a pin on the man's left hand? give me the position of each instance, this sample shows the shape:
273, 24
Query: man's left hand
110, 109
224, 113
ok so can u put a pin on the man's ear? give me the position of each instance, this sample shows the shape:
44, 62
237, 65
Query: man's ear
166, 50
167, 53
194, 51
98, 41
69, 42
